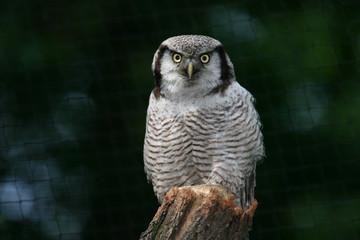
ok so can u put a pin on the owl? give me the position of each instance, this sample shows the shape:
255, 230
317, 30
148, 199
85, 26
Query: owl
201, 125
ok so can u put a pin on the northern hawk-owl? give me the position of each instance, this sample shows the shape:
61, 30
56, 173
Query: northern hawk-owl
201, 126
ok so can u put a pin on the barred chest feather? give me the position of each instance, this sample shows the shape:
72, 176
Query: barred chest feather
214, 140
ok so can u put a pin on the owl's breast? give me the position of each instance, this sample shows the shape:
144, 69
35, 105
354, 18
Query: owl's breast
168, 149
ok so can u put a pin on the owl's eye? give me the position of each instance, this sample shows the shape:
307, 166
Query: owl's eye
177, 58
205, 58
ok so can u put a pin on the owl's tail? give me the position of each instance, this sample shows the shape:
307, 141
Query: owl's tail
247, 194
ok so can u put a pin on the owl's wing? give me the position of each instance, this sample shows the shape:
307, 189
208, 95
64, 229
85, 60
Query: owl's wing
236, 144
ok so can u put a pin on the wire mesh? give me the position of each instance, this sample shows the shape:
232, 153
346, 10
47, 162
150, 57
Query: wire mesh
75, 81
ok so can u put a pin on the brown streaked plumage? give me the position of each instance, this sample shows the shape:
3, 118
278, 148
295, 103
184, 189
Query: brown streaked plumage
202, 127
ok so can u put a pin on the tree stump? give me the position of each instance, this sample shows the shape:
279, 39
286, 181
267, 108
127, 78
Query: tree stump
200, 212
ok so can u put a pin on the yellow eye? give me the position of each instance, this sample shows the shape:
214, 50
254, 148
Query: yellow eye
177, 58
205, 58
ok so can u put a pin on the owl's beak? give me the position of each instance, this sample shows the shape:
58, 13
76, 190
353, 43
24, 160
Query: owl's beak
190, 70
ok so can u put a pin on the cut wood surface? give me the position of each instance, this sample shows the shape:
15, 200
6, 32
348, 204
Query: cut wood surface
200, 212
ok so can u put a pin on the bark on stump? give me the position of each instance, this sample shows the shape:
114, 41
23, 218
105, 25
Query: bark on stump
200, 212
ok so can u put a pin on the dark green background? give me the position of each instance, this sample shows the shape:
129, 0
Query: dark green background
74, 85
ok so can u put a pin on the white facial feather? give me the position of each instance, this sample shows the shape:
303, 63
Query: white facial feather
178, 85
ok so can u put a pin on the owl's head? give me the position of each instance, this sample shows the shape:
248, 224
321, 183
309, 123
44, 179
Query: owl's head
189, 64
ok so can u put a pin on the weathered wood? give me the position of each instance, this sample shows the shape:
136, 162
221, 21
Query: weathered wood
200, 212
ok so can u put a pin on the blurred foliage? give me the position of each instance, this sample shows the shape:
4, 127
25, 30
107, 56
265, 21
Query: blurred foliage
75, 81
